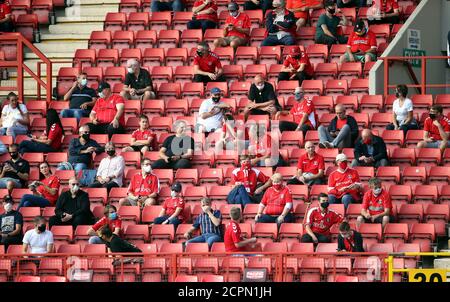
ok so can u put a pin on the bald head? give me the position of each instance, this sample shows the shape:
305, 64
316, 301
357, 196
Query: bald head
310, 148
366, 135
259, 80
276, 178
340, 111
133, 66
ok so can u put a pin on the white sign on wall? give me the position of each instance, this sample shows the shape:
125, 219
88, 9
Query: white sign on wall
414, 40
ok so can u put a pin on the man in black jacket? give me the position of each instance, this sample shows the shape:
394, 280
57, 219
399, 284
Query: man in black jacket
342, 131
262, 99
114, 243
280, 25
349, 240
370, 150
72, 207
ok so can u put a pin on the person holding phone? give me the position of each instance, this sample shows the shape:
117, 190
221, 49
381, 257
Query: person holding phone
237, 28
361, 45
204, 15
15, 118
436, 130
349, 240
211, 112
15, 172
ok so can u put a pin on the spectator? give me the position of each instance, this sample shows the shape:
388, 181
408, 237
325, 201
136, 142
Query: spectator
211, 112
81, 99
72, 207
177, 150
45, 191
436, 130
51, 139
351, 3
276, 204
403, 114
173, 207
361, 46
237, 28
138, 84
280, 25
142, 139
261, 146
303, 112
167, 5
15, 117
342, 131
207, 66
262, 99
302, 8
349, 240
39, 240
319, 221
344, 185
110, 171
107, 116
209, 222
370, 150
233, 239
3, 148
6, 22
264, 5
114, 243
327, 26
384, 11
376, 206
144, 187
11, 224
110, 219
229, 138
204, 15
296, 66
15, 172
310, 168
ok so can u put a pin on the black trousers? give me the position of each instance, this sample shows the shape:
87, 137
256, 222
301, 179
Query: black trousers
108, 186
300, 76
291, 126
321, 238
179, 164
75, 221
198, 78
388, 20
265, 5
15, 240
106, 129
324, 39
295, 181
201, 24
6, 27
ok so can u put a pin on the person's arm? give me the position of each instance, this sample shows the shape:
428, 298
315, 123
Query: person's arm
117, 231
396, 12
344, 20
69, 93
52, 191
91, 232
162, 153
383, 151
394, 120
444, 135
25, 248
162, 212
176, 213
318, 175
341, 245
289, 21
310, 233
245, 242
93, 116
264, 186
386, 212
120, 110
198, 71
25, 120
261, 208
269, 22
409, 117
50, 248
303, 120
23, 176
215, 220
326, 31
16, 231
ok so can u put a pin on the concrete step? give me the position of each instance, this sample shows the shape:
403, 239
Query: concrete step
52, 56
96, 9
95, 2
66, 46
81, 28
73, 19
65, 37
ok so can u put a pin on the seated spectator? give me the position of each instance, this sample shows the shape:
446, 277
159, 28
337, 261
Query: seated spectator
344, 185
327, 26
319, 221
233, 239
376, 206
403, 114
276, 204
310, 168
173, 207
110, 171
229, 139
280, 25
262, 99
342, 131
384, 11
167, 5
3, 148
110, 219
237, 28
144, 187
264, 5
204, 15
38, 240
361, 45
45, 191
296, 66
211, 112
349, 240
14, 172
11, 223
351, 3
81, 99
138, 84
302, 8
15, 118
207, 66
303, 112
370, 150
51, 139
262, 148
6, 22
209, 222
114, 243
177, 150
142, 139
72, 207
107, 116
436, 130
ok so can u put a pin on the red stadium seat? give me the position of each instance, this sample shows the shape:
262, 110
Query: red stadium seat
425, 194
306, 35
26, 25
400, 194
350, 70
326, 71
122, 39
389, 174
257, 35
438, 175
266, 230
396, 233
318, 53
169, 90
424, 234
337, 89
403, 157
191, 90
153, 57
413, 137
180, 19
336, 51
115, 21
312, 87
323, 104
160, 21
269, 55
359, 87
149, 213
190, 37
410, 213
381, 31
246, 55
62, 233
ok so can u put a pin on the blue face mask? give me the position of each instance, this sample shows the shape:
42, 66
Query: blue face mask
298, 95
113, 216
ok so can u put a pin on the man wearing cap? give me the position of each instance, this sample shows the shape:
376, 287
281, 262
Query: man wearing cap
107, 116
211, 112
138, 84
207, 66
341, 132
173, 207
361, 46
11, 223
280, 25
296, 66
344, 185
237, 28
370, 151
262, 99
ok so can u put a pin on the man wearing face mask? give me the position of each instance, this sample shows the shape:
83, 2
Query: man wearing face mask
211, 112
376, 206
11, 222
15, 118
361, 46
237, 28
81, 99
349, 240
280, 25
173, 207
72, 207
207, 65
370, 150
110, 219
38, 240
341, 132
310, 168
344, 185
138, 84
262, 99
327, 26
110, 171
14, 172
436, 130
296, 66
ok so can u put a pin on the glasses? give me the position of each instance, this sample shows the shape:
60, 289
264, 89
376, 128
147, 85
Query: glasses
75, 184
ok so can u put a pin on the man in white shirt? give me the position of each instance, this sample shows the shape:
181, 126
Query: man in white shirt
15, 117
110, 171
211, 112
39, 240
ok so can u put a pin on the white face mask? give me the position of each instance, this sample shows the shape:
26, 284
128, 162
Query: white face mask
260, 87
377, 191
101, 95
75, 189
173, 194
8, 207
147, 169
83, 82
130, 70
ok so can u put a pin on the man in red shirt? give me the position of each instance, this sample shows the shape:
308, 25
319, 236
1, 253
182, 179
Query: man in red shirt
144, 187
361, 45
301, 9
376, 206
237, 28
142, 139
107, 116
6, 24
319, 221
207, 66
436, 130
296, 66
204, 15
384, 11
344, 185
276, 205
111, 219
232, 239
173, 207
310, 168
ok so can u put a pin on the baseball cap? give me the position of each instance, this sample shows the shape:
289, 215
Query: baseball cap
233, 6
341, 157
176, 187
216, 90
360, 26
295, 51
103, 85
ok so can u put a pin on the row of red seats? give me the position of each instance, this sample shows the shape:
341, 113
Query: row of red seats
40, 8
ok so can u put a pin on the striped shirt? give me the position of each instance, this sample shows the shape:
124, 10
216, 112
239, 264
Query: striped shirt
206, 225
80, 96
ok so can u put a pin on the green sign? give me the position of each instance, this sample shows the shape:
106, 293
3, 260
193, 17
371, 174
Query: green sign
414, 53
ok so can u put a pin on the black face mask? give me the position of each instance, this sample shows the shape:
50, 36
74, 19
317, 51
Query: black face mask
14, 155
215, 99
324, 205
296, 57
332, 11
42, 228
86, 136
200, 53
432, 116
111, 152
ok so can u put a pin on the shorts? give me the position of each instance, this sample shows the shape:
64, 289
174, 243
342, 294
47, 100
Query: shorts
436, 144
379, 220
362, 58
138, 148
242, 41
